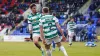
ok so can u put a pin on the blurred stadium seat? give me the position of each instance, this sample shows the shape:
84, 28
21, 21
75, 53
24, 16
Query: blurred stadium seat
11, 12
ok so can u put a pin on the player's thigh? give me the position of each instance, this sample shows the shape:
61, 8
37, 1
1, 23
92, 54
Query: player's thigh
48, 41
36, 37
89, 36
71, 34
47, 46
57, 40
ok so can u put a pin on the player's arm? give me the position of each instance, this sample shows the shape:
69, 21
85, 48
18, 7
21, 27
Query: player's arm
65, 27
41, 31
30, 29
75, 25
58, 26
30, 26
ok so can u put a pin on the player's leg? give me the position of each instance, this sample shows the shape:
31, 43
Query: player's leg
48, 51
88, 37
53, 45
35, 40
70, 38
47, 47
61, 47
92, 38
95, 37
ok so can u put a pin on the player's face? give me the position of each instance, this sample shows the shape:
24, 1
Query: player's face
72, 20
90, 23
34, 9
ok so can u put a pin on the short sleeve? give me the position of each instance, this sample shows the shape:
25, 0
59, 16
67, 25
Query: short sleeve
56, 20
40, 22
29, 25
29, 19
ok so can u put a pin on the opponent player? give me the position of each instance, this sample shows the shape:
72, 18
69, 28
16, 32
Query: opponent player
48, 30
90, 34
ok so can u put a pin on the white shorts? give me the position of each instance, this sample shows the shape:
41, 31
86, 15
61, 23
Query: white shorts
55, 39
71, 33
35, 35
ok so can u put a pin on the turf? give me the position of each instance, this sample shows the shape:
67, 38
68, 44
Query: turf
28, 49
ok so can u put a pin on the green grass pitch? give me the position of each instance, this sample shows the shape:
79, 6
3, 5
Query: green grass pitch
28, 49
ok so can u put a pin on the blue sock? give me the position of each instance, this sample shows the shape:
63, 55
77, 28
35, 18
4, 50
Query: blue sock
53, 44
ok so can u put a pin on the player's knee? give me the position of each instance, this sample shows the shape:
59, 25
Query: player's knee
35, 41
58, 44
47, 47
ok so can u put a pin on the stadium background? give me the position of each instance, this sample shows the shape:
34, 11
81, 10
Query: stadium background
13, 12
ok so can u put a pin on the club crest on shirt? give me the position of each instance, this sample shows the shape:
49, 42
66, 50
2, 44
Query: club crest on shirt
34, 20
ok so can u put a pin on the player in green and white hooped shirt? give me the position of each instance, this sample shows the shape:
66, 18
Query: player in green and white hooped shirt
48, 31
71, 28
33, 20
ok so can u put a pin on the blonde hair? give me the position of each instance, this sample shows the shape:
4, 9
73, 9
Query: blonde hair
45, 9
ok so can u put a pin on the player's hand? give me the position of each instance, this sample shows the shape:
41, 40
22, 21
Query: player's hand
63, 38
30, 31
44, 42
18, 26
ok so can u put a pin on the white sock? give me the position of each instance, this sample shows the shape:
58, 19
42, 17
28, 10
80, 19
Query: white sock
48, 52
63, 50
41, 49
70, 40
